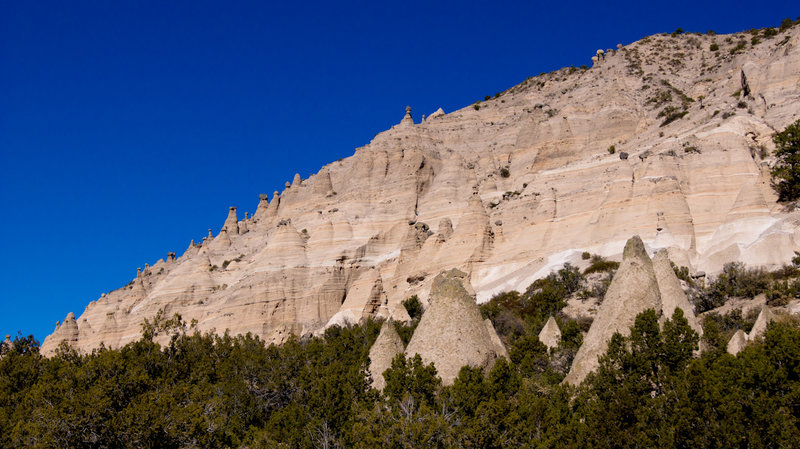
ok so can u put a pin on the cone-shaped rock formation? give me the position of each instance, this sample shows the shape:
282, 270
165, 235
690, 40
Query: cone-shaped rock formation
760, 327
672, 295
451, 332
737, 342
386, 347
231, 223
65, 332
633, 290
550, 334
499, 348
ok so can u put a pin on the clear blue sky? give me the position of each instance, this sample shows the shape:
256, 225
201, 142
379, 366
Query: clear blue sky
127, 128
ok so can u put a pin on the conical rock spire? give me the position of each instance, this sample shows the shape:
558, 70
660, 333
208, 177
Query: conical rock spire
451, 332
633, 290
672, 295
386, 347
737, 342
760, 327
550, 334
231, 223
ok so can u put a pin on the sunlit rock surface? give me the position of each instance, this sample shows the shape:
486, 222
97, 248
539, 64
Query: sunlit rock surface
505, 193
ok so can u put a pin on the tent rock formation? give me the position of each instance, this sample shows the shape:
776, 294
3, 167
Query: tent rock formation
451, 332
386, 347
550, 334
510, 191
633, 290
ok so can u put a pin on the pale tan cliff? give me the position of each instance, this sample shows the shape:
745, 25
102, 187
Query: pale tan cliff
505, 192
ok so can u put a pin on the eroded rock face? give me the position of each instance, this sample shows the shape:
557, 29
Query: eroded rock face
65, 332
505, 193
386, 347
633, 290
452, 333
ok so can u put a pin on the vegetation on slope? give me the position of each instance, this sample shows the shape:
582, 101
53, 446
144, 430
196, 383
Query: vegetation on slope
786, 172
209, 391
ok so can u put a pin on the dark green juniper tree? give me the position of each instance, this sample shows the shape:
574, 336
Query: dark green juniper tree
786, 172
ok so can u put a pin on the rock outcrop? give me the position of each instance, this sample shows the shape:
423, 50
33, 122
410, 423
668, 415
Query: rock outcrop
760, 326
740, 339
633, 290
66, 332
550, 334
383, 351
737, 342
499, 348
505, 192
451, 332
231, 225
672, 294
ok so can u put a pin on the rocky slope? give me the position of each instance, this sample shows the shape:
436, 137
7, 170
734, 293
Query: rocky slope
504, 190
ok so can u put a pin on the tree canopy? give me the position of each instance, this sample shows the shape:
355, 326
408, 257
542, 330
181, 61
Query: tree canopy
210, 391
786, 171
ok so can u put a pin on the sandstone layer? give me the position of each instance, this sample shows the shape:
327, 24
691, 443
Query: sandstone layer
505, 190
